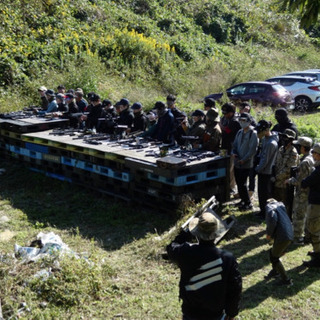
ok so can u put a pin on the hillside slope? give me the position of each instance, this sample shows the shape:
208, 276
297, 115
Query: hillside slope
117, 47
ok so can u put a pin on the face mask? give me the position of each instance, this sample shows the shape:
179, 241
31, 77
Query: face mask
244, 124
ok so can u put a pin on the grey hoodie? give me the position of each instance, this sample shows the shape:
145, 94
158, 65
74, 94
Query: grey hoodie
268, 154
245, 148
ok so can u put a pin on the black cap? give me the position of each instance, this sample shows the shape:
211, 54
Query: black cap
50, 93
60, 96
90, 94
198, 113
209, 102
245, 116
106, 102
228, 107
136, 106
123, 102
159, 105
95, 97
171, 97
70, 91
263, 125
69, 95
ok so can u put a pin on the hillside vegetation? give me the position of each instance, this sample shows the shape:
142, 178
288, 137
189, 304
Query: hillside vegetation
143, 49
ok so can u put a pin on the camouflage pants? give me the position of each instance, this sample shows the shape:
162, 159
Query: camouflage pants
313, 225
300, 205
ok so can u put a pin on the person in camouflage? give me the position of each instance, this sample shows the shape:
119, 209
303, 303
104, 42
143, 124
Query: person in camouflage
287, 157
300, 202
313, 211
213, 135
195, 130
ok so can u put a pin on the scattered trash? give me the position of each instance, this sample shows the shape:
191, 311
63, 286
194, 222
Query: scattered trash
43, 274
46, 244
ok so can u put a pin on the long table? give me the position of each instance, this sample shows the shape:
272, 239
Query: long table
128, 169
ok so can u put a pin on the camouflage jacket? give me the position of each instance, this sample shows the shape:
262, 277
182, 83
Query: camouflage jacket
304, 170
212, 138
286, 159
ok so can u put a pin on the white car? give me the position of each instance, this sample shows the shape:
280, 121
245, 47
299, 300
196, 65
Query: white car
310, 73
305, 91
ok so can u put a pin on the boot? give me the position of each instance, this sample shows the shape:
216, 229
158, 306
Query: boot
314, 262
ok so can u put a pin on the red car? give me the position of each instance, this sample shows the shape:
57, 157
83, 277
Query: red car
261, 93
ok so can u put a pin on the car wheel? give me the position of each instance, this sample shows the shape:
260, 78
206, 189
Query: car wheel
302, 104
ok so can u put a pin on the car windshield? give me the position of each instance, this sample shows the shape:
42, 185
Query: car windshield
238, 90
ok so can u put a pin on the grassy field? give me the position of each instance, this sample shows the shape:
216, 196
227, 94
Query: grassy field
119, 272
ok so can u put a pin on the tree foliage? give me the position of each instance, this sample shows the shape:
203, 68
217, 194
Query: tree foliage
309, 10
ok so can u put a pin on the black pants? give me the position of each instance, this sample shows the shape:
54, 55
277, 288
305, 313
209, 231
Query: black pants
241, 176
264, 191
252, 179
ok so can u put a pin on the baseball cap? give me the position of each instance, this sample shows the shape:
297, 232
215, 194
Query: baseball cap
263, 125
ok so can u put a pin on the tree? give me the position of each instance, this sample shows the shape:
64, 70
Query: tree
309, 10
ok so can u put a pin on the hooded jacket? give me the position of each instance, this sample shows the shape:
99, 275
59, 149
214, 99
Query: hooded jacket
268, 154
210, 282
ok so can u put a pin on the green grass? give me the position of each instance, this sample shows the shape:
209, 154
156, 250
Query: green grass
120, 273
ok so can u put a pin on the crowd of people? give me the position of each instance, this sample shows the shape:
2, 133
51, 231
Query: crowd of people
164, 123
287, 167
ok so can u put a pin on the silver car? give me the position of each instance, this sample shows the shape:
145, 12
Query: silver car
305, 91
310, 73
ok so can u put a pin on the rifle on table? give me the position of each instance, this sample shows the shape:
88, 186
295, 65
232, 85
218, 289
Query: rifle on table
63, 132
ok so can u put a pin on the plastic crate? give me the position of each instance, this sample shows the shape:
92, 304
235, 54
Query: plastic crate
36, 147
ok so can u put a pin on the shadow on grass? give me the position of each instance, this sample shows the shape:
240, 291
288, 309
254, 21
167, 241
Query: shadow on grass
49, 202
302, 277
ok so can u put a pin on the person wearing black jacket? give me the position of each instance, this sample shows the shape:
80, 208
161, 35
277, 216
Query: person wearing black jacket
284, 122
72, 112
210, 282
179, 117
313, 210
164, 127
96, 112
126, 116
140, 120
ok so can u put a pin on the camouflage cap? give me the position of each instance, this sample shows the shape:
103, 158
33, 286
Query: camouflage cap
290, 134
304, 141
316, 148
205, 227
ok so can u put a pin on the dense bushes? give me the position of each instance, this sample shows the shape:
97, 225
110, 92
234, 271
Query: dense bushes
144, 40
